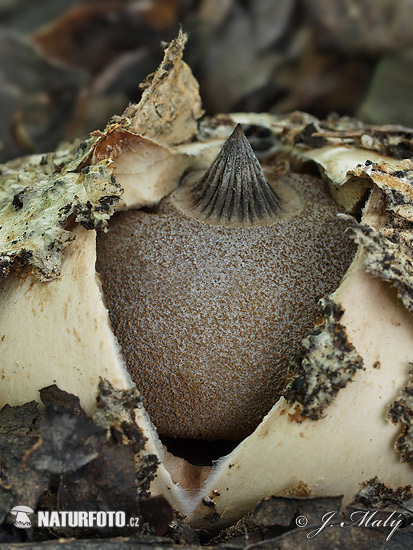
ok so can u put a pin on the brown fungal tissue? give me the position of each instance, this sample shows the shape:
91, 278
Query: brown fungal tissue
211, 292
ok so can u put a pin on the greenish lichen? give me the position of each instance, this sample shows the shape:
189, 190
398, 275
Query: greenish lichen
40, 194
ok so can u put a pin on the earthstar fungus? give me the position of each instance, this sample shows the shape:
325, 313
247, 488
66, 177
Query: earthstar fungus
211, 292
327, 433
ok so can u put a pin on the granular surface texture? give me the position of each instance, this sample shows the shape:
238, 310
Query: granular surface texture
209, 317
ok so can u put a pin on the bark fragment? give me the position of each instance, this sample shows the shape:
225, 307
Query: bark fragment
60, 459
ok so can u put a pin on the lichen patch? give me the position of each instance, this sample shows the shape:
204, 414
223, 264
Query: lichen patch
40, 194
329, 363
397, 185
389, 246
389, 258
115, 412
402, 411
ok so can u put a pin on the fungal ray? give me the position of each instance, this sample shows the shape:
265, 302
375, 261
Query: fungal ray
234, 189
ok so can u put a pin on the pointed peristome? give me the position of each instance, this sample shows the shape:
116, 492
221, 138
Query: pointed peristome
234, 188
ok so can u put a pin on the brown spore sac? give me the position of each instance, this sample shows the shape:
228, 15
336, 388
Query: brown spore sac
209, 317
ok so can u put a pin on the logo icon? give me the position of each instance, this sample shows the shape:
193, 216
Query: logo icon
22, 519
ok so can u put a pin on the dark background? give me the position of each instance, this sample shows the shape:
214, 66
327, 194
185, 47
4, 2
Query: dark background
66, 66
